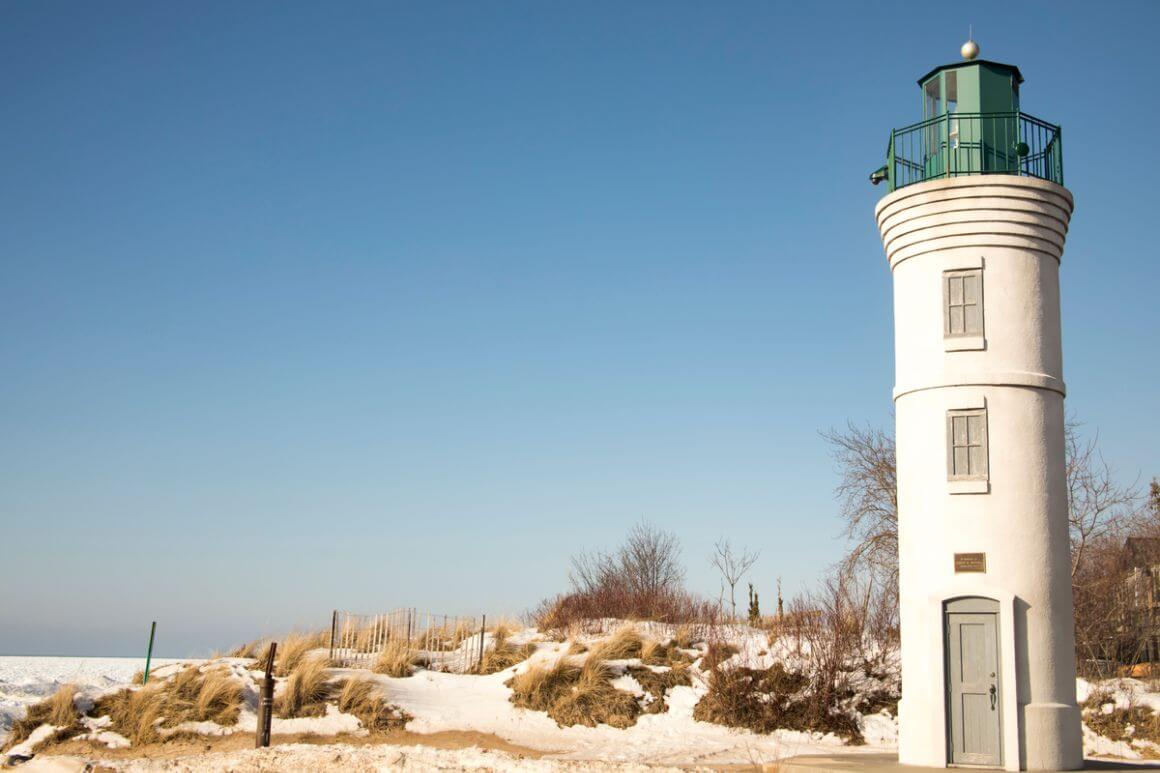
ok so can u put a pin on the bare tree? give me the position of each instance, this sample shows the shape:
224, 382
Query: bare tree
650, 560
1097, 506
733, 566
868, 493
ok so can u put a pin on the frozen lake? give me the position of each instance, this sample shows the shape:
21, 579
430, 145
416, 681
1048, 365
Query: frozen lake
26, 679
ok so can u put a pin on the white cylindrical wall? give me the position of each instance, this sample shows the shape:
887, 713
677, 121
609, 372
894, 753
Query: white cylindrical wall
1011, 229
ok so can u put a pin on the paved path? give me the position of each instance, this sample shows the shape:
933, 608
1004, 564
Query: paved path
888, 763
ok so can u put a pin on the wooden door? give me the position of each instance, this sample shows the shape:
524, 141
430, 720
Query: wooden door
973, 687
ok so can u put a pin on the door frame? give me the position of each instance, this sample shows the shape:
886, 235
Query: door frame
976, 585
972, 605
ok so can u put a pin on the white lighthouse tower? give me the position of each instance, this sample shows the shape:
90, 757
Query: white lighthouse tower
974, 225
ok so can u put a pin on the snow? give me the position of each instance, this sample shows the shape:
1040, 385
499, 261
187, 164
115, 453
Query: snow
441, 701
27, 680
340, 757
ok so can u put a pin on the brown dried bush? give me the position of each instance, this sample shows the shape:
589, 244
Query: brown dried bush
772, 699
657, 684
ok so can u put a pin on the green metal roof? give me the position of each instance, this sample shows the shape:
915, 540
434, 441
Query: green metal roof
1009, 67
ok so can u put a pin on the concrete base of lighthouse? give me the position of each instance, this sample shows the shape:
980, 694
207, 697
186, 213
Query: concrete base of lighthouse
1010, 527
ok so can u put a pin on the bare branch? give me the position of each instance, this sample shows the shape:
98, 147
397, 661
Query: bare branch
733, 566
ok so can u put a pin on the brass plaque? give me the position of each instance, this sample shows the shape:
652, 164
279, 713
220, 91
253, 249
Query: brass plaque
970, 562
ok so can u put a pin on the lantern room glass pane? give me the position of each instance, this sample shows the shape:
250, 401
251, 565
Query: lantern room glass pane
952, 83
931, 106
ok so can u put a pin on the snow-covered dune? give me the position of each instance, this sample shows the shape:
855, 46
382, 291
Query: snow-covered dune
25, 680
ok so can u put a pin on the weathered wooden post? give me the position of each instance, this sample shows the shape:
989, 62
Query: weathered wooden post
333, 630
266, 702
482, 628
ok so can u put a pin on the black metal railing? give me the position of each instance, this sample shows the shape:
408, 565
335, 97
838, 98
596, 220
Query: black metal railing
956, 144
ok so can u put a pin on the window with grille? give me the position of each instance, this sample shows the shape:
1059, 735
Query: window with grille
963, 303
967, 445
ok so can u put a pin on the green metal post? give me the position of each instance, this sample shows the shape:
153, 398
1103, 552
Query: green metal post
149, 652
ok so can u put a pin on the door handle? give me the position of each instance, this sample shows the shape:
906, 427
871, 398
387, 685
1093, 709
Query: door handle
993, 697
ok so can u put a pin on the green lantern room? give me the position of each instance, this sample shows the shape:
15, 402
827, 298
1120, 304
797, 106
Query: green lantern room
972, 123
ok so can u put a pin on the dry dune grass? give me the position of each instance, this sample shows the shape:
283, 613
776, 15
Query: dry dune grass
58, 709
541, 686
593, 700
504, 656
306, 690
365, 700
683, 637
292, 650
134, 713
219, 698
624, 644
396, 659
654, 653
254, 650
572, 695
187, 696
577, 648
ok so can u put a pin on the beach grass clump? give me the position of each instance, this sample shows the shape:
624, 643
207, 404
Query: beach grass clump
575, 695
593, 700
396, 659
364, 698
58, 710
306, 691
541, 686
219, 698
503, 655
292, 650
624, 644
655, 653
134, 713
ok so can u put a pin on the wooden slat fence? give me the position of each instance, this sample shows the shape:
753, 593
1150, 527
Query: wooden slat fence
440, 642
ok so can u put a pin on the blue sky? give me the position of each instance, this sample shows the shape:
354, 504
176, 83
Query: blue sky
364, 305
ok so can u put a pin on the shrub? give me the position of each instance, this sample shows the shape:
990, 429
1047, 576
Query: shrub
641, 580
773, 699
59, 710
715, 654
657, 684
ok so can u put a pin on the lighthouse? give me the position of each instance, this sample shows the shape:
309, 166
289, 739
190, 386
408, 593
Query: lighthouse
973, 224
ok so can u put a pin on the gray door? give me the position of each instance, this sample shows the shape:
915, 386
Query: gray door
973, 683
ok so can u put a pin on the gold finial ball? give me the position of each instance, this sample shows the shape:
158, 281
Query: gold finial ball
969, 50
